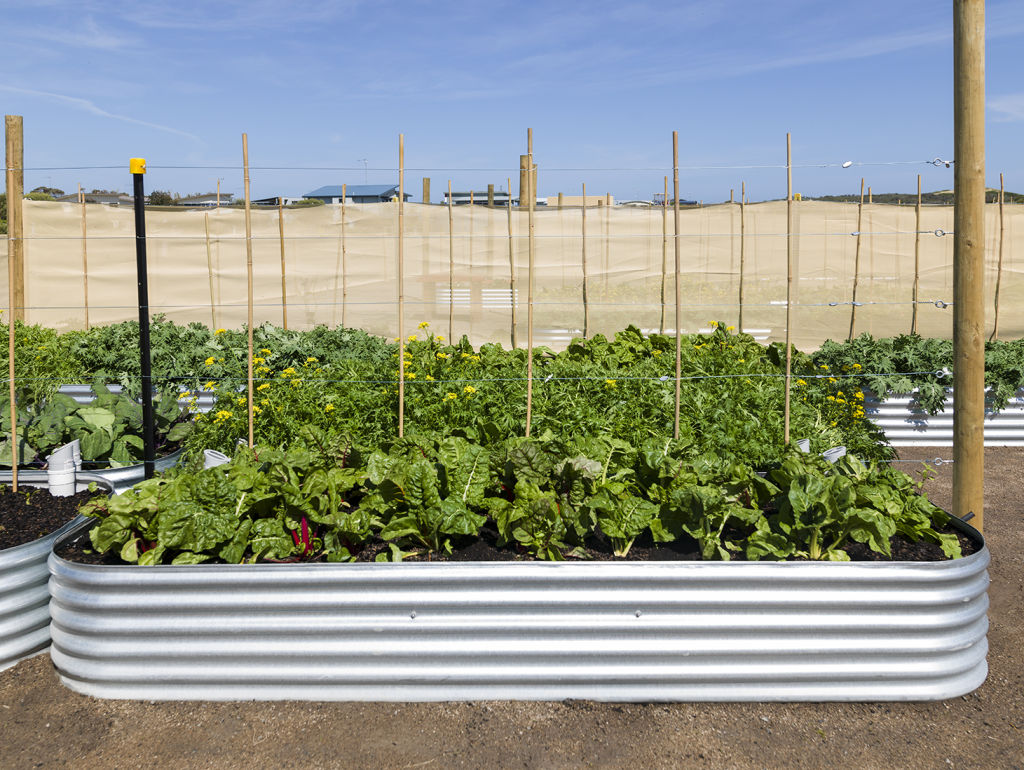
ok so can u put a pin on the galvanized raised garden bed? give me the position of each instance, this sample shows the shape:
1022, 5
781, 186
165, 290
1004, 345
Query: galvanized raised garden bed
640, 631
24, 598
906, 424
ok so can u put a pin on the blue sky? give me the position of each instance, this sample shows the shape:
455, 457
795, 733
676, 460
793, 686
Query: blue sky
602, 83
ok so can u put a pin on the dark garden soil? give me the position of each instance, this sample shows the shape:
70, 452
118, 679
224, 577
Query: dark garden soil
42, 724
30, 514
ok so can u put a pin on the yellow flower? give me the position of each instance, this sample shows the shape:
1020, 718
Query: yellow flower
824, 366
222, 415
610, 384
220, 331
265, 401
209, 361
801, 382
474, 358
264, 386
450, 397
289, 372
655, 352
181, 395
199, 417
263, 370
411, 338
742, 360
442, 356
859, 396
410, 375
730, 328
439, 338
423, 325
429, 378
259, 360
296, 382
830, 398
469, 389
257, 410
831, 379
465, 356
210, 385
714, 324
856, 366
311, 360
329, 408
265, 351
241, 401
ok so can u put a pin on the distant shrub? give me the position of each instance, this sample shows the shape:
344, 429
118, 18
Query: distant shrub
306, 203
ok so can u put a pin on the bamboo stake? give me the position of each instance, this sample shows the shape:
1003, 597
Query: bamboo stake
999, 267
969, 259
15, 216
344, 259
917, 255
530, 171
85, 259
451, 269
511, 264
664, 256
789, 284
856, 265
248, 274
209, 271
15, 191
679, 342
586, 304
401, 286
284, 284
743, 246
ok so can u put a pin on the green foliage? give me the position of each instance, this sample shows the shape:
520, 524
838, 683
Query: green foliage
161, 198
39, 196
306, 203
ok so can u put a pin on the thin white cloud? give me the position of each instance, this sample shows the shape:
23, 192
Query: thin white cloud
1008, 108
87, 106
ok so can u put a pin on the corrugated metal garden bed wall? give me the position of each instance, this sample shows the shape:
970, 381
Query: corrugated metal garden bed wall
905, 424
24, 598
641, 631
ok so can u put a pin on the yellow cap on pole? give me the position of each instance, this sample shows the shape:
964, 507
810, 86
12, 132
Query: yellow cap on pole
137, 165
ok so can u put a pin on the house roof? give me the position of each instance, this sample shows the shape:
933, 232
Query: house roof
352, 190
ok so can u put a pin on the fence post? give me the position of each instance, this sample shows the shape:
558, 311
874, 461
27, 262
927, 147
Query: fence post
344, 266
789, 283
679, 342
999, 265
530, 177
583, 233
856, 265
85, 258
15, 145
513, 299
15, 190
969, 259
917, 256
249, 285
401, 285
284, 284
743, 246
451, 269
209, 270
137, 166
426, 189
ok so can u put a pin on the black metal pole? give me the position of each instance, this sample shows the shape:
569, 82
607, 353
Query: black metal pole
138, 168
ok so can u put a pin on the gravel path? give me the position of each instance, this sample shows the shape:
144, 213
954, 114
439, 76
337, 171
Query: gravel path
44, 725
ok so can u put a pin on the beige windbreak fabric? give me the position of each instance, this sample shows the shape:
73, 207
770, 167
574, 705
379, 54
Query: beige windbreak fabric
347, 274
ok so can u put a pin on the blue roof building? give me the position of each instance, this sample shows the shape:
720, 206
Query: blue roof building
357, 193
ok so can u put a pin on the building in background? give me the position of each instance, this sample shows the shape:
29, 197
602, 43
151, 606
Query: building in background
357, 193
479, 198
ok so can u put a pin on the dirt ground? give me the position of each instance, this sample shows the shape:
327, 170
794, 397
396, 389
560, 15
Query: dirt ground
44, 725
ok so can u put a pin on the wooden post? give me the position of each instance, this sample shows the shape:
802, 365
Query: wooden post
469, 258
344, 266
870, 199
664, 256
218, 193
917, 256
401, 285
731, 192
856, 265
743, 246
513, 300
15, 144
999, 265
451, 269
248, 275
679, 341
426, 189
284, 283
530, 177
15, 191
583, 234
490, 196
209, 272
789, 285
524, 165
85, 258
561, 201
969, 259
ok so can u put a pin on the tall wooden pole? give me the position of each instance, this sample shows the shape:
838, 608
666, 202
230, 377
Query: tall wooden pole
401, 285
679, 339
917, 256
530, 176
284, 282
524, 175
15, 145
248, 276
743, 246
969, 259
85, 258
15, 191
856, 265
999, 265
426, 189
789, 284
209, 271
490, 196
451, 269
664, 256
344, 266
513, 299
583, 233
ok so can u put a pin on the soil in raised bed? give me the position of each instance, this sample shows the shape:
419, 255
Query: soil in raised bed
485, 548
32, 513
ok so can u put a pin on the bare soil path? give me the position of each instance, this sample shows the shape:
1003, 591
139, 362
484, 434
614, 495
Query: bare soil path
44, 725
